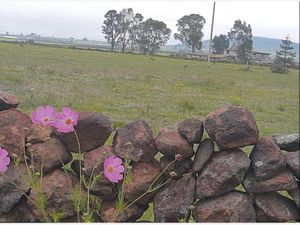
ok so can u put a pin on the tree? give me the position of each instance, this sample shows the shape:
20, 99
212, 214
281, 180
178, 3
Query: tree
190, 31
152, 34
134, 30
112, 27
241, 37
220, 43
285, 55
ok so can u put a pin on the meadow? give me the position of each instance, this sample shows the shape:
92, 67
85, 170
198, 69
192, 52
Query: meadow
161, 90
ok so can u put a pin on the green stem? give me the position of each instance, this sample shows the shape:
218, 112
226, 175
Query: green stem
149, 188
79, 151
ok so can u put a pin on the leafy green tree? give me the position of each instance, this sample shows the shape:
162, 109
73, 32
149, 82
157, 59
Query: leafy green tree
134, 30
152, 34
241, 37
220, 43
112, 27
285, 55
190, 31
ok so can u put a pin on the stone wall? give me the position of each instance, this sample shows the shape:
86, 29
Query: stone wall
215, 180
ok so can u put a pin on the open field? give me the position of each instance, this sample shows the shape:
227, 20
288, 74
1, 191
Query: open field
161, 90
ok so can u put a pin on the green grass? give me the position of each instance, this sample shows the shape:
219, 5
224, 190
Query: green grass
161, 90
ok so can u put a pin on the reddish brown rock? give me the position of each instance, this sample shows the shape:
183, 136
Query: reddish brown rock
8, 101
93, 130
10, 194
232, 127
170, 143
179, 167
93, 160
288, 142
293, 162
109, 213
273, 207
135, 141
295, 194
172, 203
143, 174
232, 207
58, 189
283, 181
192, 130
222, 173
266, 159
203, 154
49, 155
12, 133
38, 133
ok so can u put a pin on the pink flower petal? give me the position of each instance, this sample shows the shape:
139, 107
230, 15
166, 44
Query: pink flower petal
119, 169
117, 161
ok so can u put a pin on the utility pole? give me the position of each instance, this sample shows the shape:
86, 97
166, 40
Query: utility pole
211, 32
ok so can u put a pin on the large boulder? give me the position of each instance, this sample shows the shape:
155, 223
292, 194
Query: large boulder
8, 101
266, 159
135, 141
13, 125
232, 127
12, 189
177, 168
49, 155
232, 207
57, 188
170, 143
295, 194
93, 129
38, 133
93, 166
203, 154
143, 174
288, 142
109, 212
293, 162
273, 207
172, 203
283, 181
222, 173
192, 130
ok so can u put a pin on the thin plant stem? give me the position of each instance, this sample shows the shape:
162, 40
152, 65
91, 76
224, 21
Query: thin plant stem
149, 188
79, 151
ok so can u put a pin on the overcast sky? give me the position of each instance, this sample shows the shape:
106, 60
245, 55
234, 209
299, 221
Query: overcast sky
80, 19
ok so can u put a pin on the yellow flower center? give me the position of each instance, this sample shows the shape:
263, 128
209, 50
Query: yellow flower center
68, 121
110, 169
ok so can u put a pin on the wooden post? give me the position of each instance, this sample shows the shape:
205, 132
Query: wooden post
211, 32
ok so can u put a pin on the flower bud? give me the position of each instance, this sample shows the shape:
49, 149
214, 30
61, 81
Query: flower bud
178, 157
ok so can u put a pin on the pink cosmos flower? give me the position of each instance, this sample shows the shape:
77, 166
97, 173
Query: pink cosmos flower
113, 169
44, 115
4, 160
66, 120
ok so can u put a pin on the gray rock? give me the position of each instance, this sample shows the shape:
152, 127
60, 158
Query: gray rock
93, 129
203, 154
266, 159
170, 143
172, 203
283, 181
179, 167
8, 101
293, 162
10, 194
232, 207
192, 130
288, 142
222, 173
273, 207
295, 194
232, 127
135, 141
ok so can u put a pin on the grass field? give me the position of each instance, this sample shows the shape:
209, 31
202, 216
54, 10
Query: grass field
161, 90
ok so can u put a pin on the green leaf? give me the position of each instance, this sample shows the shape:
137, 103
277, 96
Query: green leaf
77, 156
